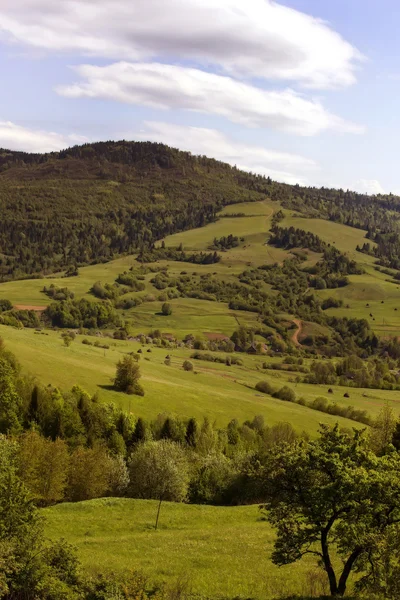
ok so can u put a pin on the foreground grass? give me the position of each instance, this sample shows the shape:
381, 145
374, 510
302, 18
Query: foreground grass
222, 551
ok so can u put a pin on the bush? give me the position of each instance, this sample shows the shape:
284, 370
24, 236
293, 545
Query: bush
5, 305
320, 403
187, 365
285, 393
166, 309
265, 387
127, 376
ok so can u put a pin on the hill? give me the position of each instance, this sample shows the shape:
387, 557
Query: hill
91, 203
217, 551
283, 271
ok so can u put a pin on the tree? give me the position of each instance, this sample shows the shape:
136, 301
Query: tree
30, 567
166, 309
90, 473
396, 436
191, 433
10, 401
140, 433
331, 494
127, 376
44, 467
67, 339
159, 470
381, 435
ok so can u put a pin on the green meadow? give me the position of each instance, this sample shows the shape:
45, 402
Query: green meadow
216, 390
217, 551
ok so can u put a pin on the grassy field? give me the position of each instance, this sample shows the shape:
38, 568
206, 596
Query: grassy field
215, 390
221, 551
345, 238
218, 391
189, 315
253, 250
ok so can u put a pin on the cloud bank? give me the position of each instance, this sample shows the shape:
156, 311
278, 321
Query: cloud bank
245, 39
174, 87
15, 137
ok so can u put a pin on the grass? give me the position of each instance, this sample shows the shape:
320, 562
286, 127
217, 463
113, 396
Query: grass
215, 390
223, 551
189, 316
253, 250
253, 228
218, 391
345, 238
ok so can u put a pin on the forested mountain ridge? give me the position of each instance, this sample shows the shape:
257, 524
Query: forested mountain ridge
93, 202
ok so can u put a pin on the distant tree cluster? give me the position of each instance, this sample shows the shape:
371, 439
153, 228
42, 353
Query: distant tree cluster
225, 243
149, 255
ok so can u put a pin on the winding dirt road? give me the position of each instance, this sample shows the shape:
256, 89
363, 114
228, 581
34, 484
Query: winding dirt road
295, 336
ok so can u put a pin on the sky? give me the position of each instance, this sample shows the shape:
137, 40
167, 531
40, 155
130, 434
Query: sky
305, 91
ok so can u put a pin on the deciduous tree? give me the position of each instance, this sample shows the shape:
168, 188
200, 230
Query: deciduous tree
331, 494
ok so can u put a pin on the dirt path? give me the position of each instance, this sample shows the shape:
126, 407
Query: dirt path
30, 307
295, 336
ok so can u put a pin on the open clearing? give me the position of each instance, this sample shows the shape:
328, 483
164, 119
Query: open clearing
221, 551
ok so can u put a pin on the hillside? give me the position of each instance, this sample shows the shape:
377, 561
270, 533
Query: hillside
282, 271
247, 318
217, 551
94, 202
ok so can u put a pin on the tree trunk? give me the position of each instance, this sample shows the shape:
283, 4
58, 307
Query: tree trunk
327, 563
347, 569
158, 512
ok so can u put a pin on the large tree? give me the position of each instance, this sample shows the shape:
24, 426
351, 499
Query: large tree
331, 496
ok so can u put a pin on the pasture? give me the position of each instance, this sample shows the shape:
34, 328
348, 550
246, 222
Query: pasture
218, 551
213, 389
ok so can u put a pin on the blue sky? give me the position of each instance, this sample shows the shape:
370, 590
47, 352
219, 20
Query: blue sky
303, 90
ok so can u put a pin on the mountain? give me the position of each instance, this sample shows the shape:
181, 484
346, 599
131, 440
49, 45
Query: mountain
94, 202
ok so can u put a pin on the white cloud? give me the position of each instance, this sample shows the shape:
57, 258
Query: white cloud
15, 137
281, 166
368, 186
167, 86
244, 38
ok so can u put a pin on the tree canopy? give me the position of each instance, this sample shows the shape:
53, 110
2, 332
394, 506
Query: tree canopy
331, 494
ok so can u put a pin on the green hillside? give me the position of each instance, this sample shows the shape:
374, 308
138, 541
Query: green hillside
219, 551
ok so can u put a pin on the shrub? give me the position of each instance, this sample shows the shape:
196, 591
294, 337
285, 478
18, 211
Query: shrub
5, 305
265, 387
127, 376
187, 365
166, 309
320, 403
285, 393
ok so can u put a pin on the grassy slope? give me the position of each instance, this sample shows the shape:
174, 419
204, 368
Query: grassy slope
218, 391
253, 229
372, 288
223, 551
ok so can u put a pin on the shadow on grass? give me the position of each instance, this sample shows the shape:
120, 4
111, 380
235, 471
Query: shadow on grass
108, 387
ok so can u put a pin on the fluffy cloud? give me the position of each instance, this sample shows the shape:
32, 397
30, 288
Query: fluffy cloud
15, 137
282, 166
368, 186
244, 38
168, 86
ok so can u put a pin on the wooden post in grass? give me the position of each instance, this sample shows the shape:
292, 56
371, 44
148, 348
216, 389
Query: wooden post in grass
158, 511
